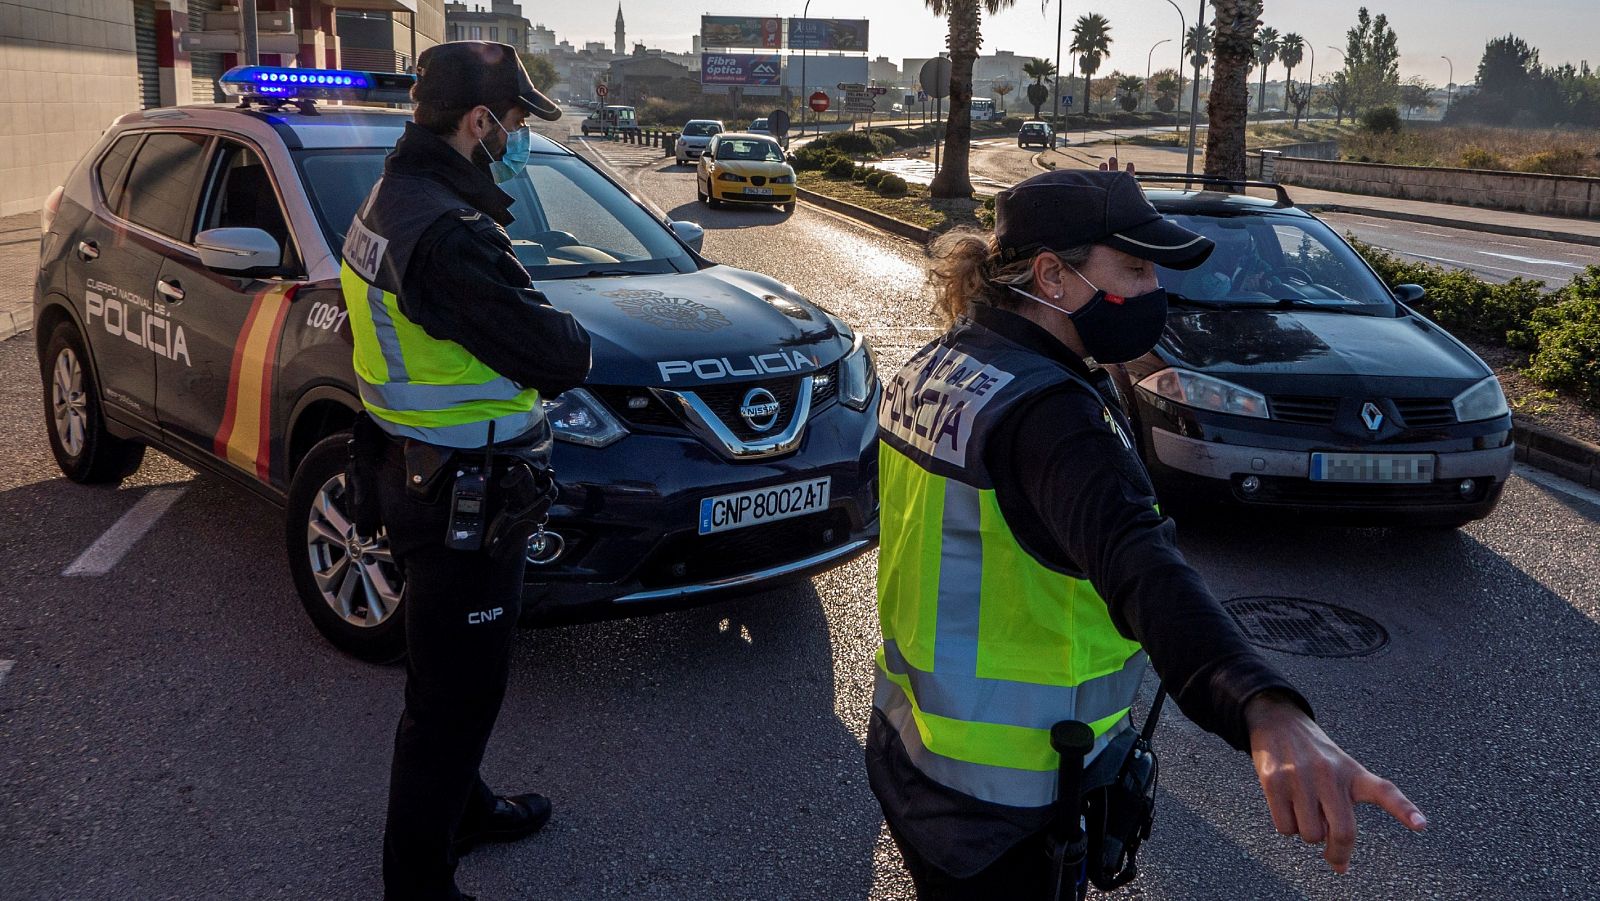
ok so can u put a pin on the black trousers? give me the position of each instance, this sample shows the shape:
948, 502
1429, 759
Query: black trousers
1021, 874
461, 613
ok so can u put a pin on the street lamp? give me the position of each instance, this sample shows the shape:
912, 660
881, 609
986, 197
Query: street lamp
805, 92
1055, 113
1194, 96
1451, 91
1183, 30
1147, 58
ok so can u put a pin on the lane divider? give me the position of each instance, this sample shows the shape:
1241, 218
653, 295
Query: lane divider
109, 548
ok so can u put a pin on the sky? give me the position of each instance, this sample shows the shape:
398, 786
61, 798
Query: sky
1562, 30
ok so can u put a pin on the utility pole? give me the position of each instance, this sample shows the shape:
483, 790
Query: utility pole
1183, 33
805, 92
1055, 114
1194, 99
1450, 93
247, 31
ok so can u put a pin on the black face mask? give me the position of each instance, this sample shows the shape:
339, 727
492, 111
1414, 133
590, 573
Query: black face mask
1116, 329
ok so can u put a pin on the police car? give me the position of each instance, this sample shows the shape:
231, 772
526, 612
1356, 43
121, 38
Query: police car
188, 300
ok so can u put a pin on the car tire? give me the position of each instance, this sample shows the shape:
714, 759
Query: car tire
84, 448
701, 195
357, 604
788, 208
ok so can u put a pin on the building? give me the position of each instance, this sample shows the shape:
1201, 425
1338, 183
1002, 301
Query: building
501, 22
645, 74
883, 71
69, 68
542, 39
622, 34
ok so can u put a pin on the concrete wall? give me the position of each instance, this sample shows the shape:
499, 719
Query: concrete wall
1549, 195
63, 77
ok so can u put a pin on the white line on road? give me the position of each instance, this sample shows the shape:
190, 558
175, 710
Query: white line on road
1466, 265
109, 548
1423, 231
1507, 244
5, 668
1533, 260
1556, 483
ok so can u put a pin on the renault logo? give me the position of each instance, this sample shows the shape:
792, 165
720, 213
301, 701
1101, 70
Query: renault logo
759, 409
1372, 416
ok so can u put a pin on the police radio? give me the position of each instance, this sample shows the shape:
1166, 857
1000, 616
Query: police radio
469, 501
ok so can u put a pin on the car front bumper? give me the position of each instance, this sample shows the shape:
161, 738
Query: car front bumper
735, 193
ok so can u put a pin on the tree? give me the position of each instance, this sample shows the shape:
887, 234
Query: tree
1267, 47
540, 69
1299, 99
1291, 50
1103, 90
1416, 94
1234, 24
1091, 39
1338, 93
1372, 62
964, 37
1166, 86
1038, 69
1130, 88
1513, 88
1002, 87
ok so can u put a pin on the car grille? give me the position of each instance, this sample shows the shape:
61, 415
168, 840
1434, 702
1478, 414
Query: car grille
687, 558
1426, 412
725, 400
636, 406
641, 407
1305, 410
758, 180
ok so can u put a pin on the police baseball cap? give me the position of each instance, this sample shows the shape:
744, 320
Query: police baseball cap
462, 74
1076, 207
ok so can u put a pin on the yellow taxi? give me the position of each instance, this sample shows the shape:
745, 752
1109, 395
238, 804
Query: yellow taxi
745, 168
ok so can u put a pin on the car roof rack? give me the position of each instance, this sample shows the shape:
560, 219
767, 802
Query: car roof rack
1207, 181
274, 87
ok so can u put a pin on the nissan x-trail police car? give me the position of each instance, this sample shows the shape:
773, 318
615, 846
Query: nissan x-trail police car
188, 299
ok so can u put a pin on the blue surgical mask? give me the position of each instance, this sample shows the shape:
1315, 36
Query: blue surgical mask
519, 144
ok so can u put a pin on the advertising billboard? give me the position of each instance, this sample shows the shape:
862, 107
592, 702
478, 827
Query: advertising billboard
849, 35
741, 31
745, 70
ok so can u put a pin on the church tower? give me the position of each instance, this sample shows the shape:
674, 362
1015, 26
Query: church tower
622, 43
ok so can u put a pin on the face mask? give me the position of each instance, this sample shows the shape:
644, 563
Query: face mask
519, 144
1116, 329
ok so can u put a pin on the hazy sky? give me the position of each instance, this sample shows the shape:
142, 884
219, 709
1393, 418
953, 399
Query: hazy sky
1563, 30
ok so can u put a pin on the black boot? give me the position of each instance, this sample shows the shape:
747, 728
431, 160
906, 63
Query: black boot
511, 818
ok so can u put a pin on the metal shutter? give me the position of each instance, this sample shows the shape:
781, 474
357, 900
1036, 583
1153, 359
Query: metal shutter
205, 67
144, 47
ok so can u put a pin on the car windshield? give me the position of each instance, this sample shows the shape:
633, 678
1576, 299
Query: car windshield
700, 129
744, 149
1268, 259
570, 221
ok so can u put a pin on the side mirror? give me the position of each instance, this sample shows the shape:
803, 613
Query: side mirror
239, 251
709, 154
1409, 294
690, 233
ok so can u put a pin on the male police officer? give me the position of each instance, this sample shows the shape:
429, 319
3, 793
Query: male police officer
454, 348
1025, 568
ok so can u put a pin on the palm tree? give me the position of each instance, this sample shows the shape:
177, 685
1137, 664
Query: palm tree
1130, 89
1091, 37
1234, 24
1038, 69
963, 38
1268, 43
1291, 50
1198, 35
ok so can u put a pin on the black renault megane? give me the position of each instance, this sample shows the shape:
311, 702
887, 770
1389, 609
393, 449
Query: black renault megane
1291, 378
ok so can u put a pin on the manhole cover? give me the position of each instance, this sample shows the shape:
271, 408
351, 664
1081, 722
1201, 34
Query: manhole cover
1307, 628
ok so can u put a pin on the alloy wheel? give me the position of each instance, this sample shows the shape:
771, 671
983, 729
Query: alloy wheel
357, 576
67, 400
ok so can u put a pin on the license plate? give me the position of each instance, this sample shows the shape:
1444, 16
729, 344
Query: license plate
760, 192
749, 508
1385, 468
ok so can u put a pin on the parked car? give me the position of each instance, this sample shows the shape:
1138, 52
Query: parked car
692, 141
759, 127
740, 167
189, 300
1292, 379
1036, 132
610, 119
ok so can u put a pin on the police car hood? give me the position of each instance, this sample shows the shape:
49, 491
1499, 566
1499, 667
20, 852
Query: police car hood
712, 326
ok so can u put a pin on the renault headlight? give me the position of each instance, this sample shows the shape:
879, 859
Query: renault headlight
729, 176
577, 417
858, 378
1482, 401
1204, 392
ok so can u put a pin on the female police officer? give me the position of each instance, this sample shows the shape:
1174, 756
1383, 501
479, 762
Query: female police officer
1026, 570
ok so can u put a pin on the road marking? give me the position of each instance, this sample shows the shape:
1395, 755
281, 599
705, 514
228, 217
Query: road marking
109, 548
5, 668
1556, 483
1423, 231
1507, 244
1466, 265
604, 164
1536, 261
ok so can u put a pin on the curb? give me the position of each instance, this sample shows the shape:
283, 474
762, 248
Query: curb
1512, 231
893, 226
1570, 458
13, 324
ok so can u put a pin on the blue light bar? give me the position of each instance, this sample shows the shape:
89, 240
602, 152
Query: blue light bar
286, 84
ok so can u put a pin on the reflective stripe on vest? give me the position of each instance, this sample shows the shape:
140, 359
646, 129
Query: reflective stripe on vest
420, 387
984, 647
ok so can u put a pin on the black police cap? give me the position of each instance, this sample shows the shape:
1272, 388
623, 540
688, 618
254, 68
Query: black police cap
469, 73
1076, 207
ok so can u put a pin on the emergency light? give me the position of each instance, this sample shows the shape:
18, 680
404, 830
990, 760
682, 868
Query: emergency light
277, 85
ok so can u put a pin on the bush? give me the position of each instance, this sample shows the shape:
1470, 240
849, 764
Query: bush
841, 167
873, 178
1383, 119
1563, 161
892, 186
1477, 158
860, 173
1011, 123
1462, 302
1568, 339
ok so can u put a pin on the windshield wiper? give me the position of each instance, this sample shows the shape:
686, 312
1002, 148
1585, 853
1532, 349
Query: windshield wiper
563, 273
1284, 303
1179, 300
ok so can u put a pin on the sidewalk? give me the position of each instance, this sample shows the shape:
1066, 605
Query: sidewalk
19, 263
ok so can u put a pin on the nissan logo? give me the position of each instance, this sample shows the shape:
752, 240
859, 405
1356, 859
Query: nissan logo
759, 409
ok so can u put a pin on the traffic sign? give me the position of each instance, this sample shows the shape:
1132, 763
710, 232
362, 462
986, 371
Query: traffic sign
266, 22
778, 122
877, 91
922, 96
935, 77
1066, 100
601, 90
819, 102
850, 87
228, 42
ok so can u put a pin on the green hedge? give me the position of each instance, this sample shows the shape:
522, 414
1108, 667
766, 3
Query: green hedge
1559, 330
893, 186
842, 167
873, 178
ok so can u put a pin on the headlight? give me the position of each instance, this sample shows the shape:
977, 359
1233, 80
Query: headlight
857, 376
1482, 401
577, 417
1205, 393
783, 180
729, 176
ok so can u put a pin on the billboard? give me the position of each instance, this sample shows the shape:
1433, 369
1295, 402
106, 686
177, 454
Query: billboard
828, 34
741, 31
742, 69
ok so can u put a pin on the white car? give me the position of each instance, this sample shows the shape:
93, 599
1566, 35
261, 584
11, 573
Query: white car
759, 127
692, 141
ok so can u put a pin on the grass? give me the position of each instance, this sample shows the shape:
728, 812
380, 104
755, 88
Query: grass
1551, 151
916, 207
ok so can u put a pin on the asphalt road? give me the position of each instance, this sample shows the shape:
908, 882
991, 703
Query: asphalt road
175, 728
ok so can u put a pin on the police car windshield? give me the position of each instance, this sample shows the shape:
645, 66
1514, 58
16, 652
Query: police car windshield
1268, 259
570, 221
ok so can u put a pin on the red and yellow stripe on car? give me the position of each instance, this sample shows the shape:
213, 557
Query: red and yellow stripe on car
245, 436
